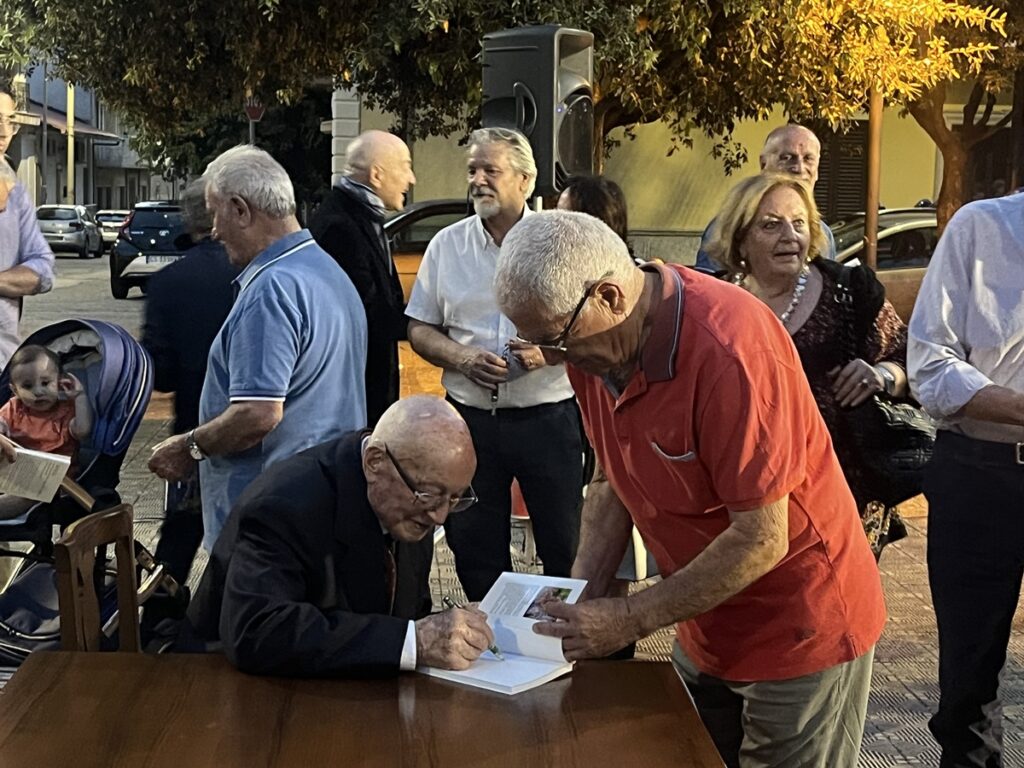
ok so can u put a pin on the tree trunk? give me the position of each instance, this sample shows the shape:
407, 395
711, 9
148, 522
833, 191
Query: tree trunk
927, 111
953, 192
600, 111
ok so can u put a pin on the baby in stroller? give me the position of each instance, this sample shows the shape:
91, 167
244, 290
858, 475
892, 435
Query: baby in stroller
110, 389
49, 410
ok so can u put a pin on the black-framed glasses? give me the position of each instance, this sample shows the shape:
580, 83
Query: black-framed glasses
557, 344
9, 124
456, 502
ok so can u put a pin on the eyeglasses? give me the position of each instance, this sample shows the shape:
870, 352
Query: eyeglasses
9, 124
456, 502
557, 344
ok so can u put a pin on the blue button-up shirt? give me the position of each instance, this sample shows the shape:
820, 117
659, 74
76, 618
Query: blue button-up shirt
296, 334
21, 244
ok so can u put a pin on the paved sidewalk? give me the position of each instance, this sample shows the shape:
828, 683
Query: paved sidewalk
904, 688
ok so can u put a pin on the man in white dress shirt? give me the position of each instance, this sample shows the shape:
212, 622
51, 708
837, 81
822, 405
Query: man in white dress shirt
965, 360
521, 413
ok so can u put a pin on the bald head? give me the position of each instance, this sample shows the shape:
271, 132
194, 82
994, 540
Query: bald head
794, 150
424, 424
382, 162
418, 464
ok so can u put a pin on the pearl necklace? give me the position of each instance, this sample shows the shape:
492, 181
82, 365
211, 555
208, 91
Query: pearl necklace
798, 291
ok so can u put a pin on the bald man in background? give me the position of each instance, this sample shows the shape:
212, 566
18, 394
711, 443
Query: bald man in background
791, 149
349, 225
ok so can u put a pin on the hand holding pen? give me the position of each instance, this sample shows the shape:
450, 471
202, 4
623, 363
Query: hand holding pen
448, 603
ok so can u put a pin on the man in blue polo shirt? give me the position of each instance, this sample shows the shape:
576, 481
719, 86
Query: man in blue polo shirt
286, 370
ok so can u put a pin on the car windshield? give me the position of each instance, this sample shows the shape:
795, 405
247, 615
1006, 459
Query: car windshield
57, 214
110, 218
848, 233
157, 218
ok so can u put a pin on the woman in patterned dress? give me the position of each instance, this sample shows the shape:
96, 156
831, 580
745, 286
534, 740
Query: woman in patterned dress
769, 236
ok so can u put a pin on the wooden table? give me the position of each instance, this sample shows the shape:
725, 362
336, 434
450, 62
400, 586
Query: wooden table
142, 711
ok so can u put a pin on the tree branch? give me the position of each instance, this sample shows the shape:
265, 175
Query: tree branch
971, 107
992, 130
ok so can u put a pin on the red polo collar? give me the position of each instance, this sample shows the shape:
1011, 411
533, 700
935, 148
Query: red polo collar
658, 357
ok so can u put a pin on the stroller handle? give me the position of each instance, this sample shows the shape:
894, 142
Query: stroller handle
78, 493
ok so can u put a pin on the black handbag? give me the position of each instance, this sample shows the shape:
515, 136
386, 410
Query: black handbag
892, 440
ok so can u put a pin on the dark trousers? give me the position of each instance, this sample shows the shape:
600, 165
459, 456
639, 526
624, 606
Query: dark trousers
975, 492
181, 533
541, 448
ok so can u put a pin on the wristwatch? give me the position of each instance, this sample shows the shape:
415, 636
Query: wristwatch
888, 378
193, 447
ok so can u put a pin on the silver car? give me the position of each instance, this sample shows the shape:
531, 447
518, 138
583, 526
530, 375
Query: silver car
110, 224
70, 228
906, 241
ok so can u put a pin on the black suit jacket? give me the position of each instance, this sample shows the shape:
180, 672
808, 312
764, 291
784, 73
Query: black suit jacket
179, 339
297, 582
347, 230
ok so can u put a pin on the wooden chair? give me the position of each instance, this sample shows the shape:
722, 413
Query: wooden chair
75, 556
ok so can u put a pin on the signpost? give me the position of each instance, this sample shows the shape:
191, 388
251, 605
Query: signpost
254, 110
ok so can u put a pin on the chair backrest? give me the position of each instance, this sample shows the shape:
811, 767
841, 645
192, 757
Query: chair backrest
75, 555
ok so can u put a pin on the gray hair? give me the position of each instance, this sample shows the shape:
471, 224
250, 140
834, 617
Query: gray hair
256, 177
549, 258
198, 219
520, 154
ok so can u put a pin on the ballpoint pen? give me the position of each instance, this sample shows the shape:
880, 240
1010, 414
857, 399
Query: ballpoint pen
447, 602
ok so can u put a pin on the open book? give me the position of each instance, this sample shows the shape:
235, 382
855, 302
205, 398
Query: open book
35, 475
513, 606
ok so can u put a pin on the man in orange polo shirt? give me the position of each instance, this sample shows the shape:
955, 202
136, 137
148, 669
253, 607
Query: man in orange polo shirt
709, 440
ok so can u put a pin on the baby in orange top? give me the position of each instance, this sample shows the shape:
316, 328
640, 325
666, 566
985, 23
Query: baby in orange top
49, 411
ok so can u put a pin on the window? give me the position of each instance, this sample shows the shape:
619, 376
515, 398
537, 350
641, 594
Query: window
906, 249
416, 235
57, 214
842, 171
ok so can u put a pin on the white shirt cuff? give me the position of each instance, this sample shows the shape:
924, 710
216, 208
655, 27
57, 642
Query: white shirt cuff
408, 662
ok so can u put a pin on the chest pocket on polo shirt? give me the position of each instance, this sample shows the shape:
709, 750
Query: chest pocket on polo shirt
672, 474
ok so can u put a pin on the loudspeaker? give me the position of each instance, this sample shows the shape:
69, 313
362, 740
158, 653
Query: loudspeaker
539, 80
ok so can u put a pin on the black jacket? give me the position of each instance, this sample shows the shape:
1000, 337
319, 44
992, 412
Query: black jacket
186, 304
297, 582
349, 232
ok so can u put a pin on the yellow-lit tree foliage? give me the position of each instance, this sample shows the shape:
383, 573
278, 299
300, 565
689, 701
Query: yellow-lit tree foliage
698, 64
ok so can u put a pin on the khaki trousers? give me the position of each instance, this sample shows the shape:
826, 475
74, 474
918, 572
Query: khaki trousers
814, 721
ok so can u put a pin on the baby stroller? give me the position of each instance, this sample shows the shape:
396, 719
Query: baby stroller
117, 375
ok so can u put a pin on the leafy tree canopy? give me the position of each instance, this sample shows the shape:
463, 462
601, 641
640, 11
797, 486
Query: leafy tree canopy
170, 67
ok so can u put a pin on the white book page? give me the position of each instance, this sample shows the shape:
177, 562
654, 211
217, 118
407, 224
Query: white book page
513, 675
514, 604
519, 594
35, 475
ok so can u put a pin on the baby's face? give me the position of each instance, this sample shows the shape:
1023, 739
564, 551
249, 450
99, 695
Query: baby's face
35, 384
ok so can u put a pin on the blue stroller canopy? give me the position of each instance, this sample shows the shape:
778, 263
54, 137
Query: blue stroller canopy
115, 370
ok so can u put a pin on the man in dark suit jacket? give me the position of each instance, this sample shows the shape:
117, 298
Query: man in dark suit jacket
349, 225
179, 343
301, 580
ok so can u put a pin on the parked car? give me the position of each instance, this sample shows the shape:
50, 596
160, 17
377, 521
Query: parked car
70, 228
906, 241
152, 237
110, 224
411, 229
